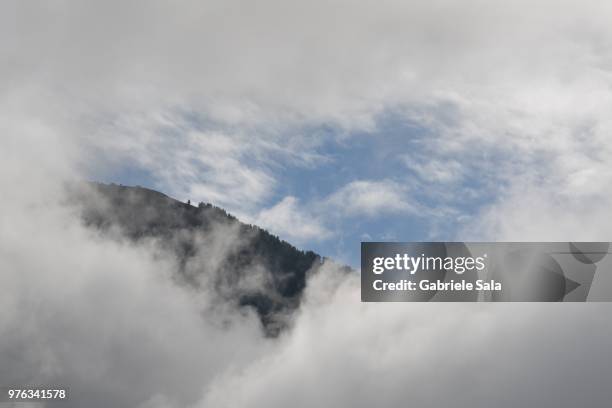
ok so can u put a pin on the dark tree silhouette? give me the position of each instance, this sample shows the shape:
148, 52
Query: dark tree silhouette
143, 213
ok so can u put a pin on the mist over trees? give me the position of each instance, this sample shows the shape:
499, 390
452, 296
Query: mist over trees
251, 269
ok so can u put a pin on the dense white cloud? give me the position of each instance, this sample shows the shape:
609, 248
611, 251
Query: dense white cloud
349, 354
213, 98
103, 317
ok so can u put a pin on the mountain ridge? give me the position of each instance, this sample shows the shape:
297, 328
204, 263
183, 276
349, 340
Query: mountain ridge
245, 264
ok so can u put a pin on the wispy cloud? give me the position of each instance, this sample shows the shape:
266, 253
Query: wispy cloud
528, 92
370, 198
291, 220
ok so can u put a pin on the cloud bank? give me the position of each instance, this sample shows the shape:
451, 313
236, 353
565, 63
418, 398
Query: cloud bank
519, 85
216, 100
